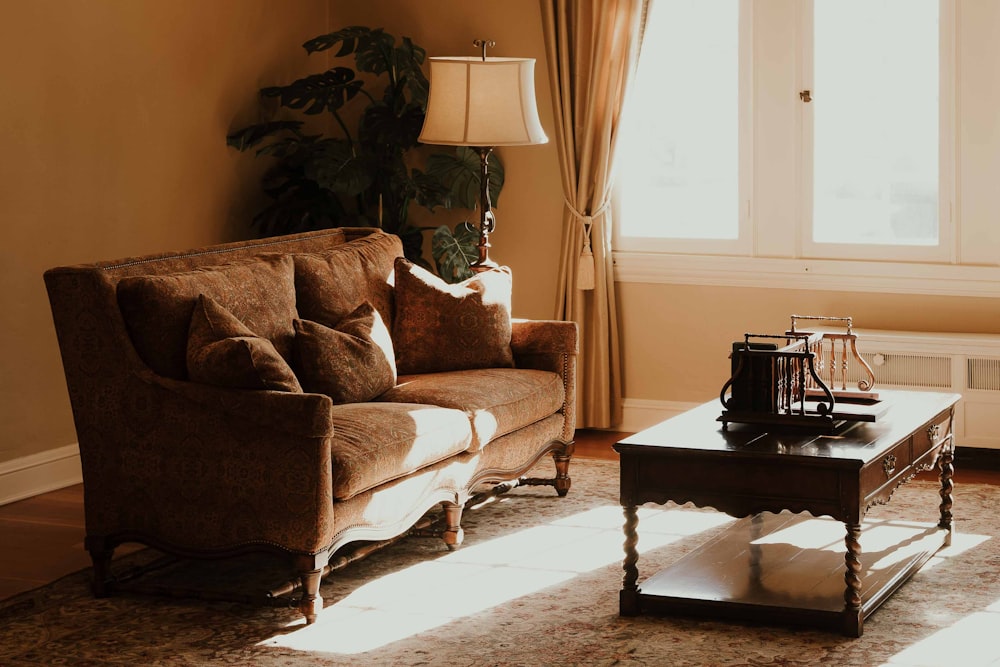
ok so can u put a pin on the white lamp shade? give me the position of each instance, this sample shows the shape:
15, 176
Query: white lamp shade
476, 102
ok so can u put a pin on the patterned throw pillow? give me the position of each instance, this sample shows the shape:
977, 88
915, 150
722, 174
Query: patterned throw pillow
222, 351
352, 362
442, 327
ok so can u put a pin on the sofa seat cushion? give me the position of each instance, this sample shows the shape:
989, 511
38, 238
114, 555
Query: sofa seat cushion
496, 400
374, 443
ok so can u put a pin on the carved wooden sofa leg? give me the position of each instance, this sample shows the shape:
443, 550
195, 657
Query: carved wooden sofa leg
453, 534
562, 481
310, 574
101, 552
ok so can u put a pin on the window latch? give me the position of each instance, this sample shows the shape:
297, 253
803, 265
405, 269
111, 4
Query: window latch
805, 96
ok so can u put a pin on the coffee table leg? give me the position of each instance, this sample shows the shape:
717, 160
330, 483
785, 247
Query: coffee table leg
947, 467
628, 598
853, 618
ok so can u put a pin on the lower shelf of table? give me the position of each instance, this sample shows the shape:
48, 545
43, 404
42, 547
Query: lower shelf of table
789, 568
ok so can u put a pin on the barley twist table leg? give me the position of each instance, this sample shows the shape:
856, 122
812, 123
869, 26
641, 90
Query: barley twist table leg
628, 599
853, 619
947, 486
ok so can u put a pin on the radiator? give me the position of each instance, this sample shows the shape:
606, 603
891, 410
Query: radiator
966, 364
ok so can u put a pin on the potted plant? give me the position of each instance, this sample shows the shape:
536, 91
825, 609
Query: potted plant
369, 176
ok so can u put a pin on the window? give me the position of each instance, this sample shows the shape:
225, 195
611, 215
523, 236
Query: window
680, 173
875, 123
719, 155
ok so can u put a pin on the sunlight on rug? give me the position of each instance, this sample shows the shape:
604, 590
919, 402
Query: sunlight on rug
973, 637
969, 642
483, 576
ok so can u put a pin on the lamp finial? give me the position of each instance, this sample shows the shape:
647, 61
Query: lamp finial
483, 43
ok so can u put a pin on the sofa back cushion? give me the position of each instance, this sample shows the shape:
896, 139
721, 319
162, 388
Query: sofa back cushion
157, 310
331, 284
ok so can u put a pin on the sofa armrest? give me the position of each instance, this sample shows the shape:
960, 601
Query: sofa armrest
550, 345
305, 415
204, 469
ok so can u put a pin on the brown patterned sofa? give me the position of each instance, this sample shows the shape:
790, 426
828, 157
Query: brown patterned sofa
224, 398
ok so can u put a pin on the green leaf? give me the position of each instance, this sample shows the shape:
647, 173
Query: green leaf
409, 61
316, 93
248, 137
348, 38
299, 205
428, 191
413, 245
381, 126
454, 252
460, 172
337, 167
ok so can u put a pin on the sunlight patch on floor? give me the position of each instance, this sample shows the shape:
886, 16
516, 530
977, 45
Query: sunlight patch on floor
969, 642
485, 575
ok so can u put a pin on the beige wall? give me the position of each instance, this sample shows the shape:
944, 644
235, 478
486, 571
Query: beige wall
113, 122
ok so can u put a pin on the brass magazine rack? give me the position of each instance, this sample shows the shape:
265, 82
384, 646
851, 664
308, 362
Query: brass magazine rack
778, 379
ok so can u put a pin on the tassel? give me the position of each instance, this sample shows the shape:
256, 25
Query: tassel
585, 269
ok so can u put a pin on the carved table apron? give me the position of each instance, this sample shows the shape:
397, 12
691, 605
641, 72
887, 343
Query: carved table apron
774, 566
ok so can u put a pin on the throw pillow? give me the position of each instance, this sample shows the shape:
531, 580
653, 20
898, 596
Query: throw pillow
351, 363
442, 327
222, 351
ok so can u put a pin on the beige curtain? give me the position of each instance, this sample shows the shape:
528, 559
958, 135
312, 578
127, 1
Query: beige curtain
592, 47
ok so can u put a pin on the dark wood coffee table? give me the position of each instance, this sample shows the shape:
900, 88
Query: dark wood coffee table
763, 568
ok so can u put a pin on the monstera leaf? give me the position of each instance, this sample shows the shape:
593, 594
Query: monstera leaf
455, 251
376, 52
462, 171
336, 166
380, 125
317, 93
249, 137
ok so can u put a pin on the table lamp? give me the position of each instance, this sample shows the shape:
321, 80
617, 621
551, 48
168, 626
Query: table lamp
482, 103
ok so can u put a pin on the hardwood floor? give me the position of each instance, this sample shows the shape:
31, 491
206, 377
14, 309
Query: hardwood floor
42, 537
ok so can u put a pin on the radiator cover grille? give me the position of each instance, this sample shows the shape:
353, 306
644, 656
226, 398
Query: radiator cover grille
983, 374
967, 364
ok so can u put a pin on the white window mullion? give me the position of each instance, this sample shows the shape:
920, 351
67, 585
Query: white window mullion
804, 183
948, 157
746, 244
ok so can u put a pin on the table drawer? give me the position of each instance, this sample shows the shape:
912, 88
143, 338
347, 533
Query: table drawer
927, 439
889, 465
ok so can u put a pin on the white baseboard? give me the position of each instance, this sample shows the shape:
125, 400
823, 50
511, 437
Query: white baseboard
39, 473
640, 413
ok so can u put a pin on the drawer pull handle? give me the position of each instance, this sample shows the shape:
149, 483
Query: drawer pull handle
889, 465
934, 433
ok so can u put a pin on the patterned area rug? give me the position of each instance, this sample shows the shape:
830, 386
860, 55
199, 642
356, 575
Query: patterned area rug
536, 583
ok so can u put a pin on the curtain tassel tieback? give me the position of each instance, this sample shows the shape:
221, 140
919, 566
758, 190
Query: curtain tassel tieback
585, 263
585, 267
